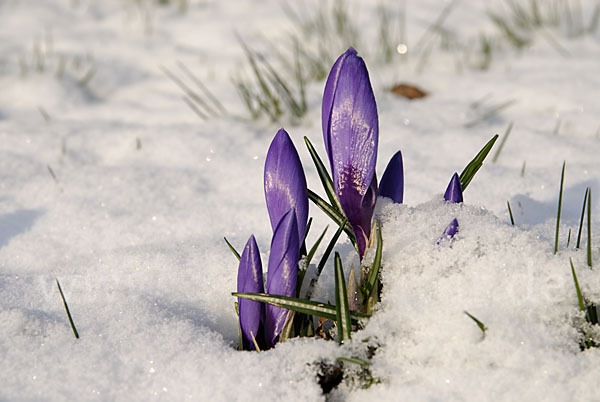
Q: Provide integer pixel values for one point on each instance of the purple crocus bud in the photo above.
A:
(392, 181)
(351, 133)
(454, 190)
(250, 279)
(285, 183)
(283, 273)
(450, 231)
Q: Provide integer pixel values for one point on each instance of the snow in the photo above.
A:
(134, 233)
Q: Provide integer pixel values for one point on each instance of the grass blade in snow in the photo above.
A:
(324, 176)
(332, 213)
(589, 227)
(469, 172)
(577, 288)
(582, 217)
(300, 305)
(62, 296)
(373, 275)
(560, 194)
(313, 249)
(512, 220)
(344, 324)
(481, 325)
(233, 250)
(502, 142)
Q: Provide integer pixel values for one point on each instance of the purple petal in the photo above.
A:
(392, 181)
(450, 231)
(350, 130)
(250, 280)
(454, 190)
(282, 274)
(285, 183)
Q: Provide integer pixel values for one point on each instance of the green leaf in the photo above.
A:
(333, 214)
(373, 274)
(577, 288)
(589, 229)
(502, 142)
(309, 307)
(469, 172)
(481, 325)
(512, 220)
(560, 196)
(582, 217)
(342, 310)
(62, 296)
(354, 360)
(233, 250)
(315, 246)
(324, 176)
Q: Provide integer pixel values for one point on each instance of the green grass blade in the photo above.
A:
(233, 250)
(569, 238)
(324, 176)
(481, 325)
(332, 213)
(469, 172)
(329, 248)
(560, 195)
(342, 311)
(582, 217)
(62, 296)
(315, 246)
(577, 288)
(309, 307)
(373, 275)
(354, 360)
(512, 219)
(589, 229)
(502, 142)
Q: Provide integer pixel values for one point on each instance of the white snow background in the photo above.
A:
(145, 190)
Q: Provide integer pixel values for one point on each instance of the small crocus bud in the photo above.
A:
(450, 231)
(351, 134)
(282, 273)
(454, 190)
(250, 280)
(392, 181)
(285, 183)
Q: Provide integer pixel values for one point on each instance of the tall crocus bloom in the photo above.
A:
(285, 183)
(250, 279)
(350, 131)
(454, 190)
(283, 273)
(392, 181)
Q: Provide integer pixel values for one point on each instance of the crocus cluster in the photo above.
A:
(287, 204)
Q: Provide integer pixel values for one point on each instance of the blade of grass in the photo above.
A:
(324, 176)
(315, 246)
(512, 220)
(582, 217)
(233, 250)
(589, 229)
(332, 213)
(342, 311)
(560, 195)
(502, 142)
(471, 169)
(62, 296)
(354, 360)
(202, 87)
(309, 307)
(580, 300)
(569, 238)
(373, 275)
(481, 325)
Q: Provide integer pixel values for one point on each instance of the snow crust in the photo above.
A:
(132, 226)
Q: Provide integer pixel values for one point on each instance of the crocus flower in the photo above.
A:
(454, 190)
(285, 183)
(283, 273)
(350, 131)
(453, 194)
(392, 181)
(250, 279)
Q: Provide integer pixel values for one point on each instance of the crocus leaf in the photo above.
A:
(577, 288)
(331, 212)
(342, 311)
(313, 249)
(324, 176)
(373, 274)
(309, 307)
(392, 181)
(351, 133)
(469, 172)
(233, 250)
(454, 191)
(480, 324)
(282, 273)
(285, 183)
(250, 279)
